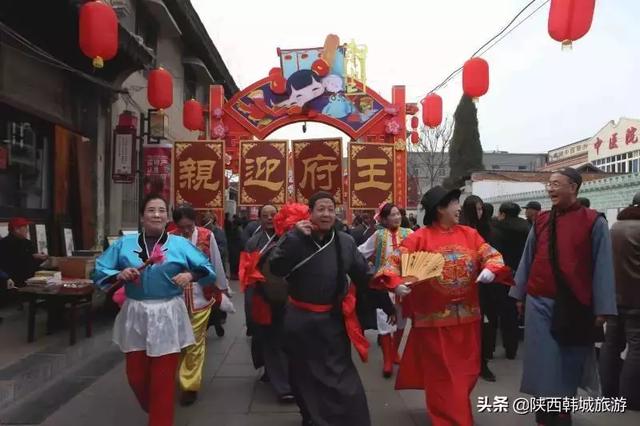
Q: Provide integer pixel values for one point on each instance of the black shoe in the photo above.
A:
(188, 398)
(265, 378)
(487, 374)
(287, 398)
(511, 354)
(219, 330)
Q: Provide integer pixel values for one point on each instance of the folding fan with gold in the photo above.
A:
(422, 265)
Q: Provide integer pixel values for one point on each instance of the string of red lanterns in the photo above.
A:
(569, 20)
(98, 32)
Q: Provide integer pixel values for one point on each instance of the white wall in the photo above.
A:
(493, 188)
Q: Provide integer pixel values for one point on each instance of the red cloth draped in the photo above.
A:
(351, 322)
(260, 310)
(248, 272)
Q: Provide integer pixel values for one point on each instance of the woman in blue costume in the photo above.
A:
(153, 325)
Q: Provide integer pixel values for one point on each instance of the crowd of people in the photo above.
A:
(312, 289)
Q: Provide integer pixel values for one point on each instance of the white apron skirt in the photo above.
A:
(383, 326)
(158, 327)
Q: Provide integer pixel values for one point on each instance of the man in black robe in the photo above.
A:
(267, 331)
(315, 260)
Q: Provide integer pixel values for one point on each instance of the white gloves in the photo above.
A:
(486, 276)
(402, 290)
(10, 284)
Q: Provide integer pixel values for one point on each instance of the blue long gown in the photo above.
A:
(551, 370)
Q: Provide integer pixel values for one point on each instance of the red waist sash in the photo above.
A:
(351, 323)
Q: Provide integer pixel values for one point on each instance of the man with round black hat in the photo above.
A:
(531, 211)
(442, 354)
(566, 274)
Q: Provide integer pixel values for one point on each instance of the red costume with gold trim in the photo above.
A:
(442, 355)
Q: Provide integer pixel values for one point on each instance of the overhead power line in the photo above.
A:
(493, 41)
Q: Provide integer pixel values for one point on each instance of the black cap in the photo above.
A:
(433, 197)
(533, 205)
(573, 175)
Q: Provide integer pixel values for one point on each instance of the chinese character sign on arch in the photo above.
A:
(198, 174)
(371, 174)
(317, 166)
(263, 173)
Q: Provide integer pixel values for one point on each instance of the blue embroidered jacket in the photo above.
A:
(155, 280)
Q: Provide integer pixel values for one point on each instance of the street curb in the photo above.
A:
(35, 371)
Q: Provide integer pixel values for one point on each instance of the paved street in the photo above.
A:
(232, 395)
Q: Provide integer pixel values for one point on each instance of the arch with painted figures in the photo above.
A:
(250, 114)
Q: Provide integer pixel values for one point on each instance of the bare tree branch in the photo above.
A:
(432, 148)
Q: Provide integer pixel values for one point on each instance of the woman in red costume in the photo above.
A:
(442, 355)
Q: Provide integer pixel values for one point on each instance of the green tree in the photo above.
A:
(465, 152)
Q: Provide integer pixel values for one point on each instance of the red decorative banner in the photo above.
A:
(317, 166)
(263, 173)
(156, 164)
(371, 174)
(198, 177)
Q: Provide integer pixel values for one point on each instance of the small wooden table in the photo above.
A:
(50, 297)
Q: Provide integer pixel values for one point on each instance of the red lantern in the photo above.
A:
(277, 83)
(192, 117)
(569, 20)
(320, 67)
(414, 123)
(475, 77)
(415, 139)
(98, 32)
(160, 89)
(432, 110)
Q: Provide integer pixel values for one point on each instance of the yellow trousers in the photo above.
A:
(192, 361)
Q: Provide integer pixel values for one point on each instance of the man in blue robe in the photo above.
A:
(566, 272)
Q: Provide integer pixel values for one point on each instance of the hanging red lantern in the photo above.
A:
(475, 77)
(414, 122)
(160, 88)
(415, 138)
(569, 20)
(432, 110)
(98, 32)
(277, 82)
(192, 117)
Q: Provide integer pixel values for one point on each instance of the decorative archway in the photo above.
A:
(305, 88)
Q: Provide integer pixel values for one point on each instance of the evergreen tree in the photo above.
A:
(465, 152)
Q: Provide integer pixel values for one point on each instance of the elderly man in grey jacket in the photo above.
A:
(621, 378)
